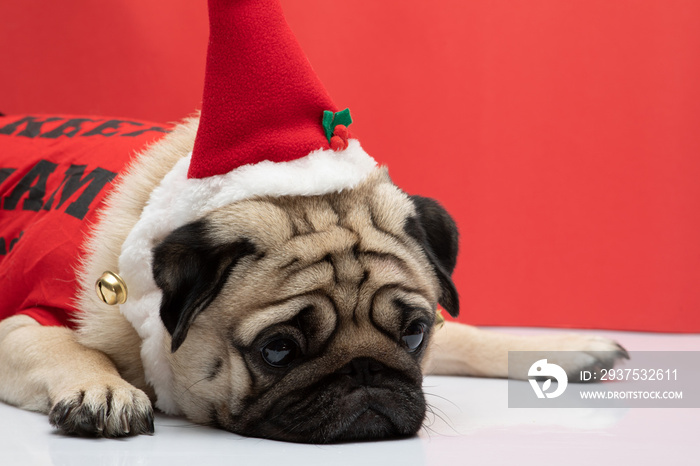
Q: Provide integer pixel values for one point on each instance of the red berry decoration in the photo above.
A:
(342, 131)
(339, 141)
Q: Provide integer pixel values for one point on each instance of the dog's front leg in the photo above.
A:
(45, 369)
(458, 349)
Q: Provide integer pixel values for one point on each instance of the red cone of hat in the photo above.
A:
(262, 100)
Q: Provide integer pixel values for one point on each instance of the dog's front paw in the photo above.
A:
(103, 410)
(586, 353)
(573, 353)
(595, 354)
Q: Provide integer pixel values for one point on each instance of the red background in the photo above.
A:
(563, 136)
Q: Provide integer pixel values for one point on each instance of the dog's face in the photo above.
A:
(306, 318)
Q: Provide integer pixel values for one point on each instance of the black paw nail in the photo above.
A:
(151, 426)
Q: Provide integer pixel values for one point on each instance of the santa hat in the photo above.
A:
(267, 128)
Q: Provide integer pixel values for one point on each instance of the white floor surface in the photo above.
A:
(470, 424)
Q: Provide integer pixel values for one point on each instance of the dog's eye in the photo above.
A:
(280, 352)
(412, 338)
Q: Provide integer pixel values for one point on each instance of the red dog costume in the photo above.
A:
(54, 174)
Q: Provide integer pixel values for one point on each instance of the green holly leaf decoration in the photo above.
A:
(328, 124)
(331, 120)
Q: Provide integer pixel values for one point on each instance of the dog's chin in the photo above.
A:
(340, 412)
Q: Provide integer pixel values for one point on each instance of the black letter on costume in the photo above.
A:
(5, 173)
(31, 129)
(109, 124)
(141, 131)
(4, 250)
(70, 128)
(73, 181)
(34, 183)
(14, 241)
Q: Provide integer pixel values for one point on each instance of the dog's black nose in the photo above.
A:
(364, 371)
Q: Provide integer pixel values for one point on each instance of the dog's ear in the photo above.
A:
(191, 269)
(436, 231)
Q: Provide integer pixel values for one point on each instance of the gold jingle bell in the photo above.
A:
(111, 289)
(439, 319)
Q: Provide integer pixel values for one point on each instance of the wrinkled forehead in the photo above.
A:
(336, 257)
(272, 222)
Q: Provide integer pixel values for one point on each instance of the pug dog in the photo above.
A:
(296, 315)
(299, 318)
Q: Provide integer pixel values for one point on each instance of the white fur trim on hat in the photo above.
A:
(179, 200)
